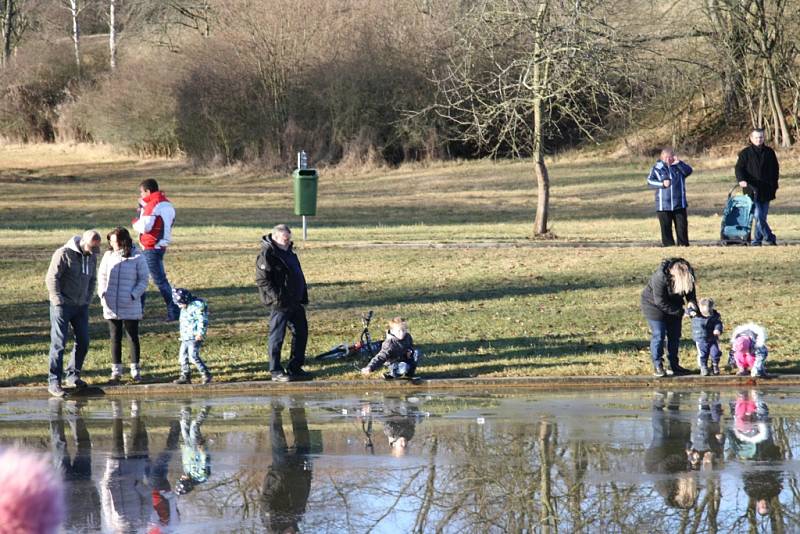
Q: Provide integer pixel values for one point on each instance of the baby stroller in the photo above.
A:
(737, 219)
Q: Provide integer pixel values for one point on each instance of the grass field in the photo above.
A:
(525, 308)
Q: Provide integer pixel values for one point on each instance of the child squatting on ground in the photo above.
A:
(706, 329)
(397, 352)
(749, 350)
(193, 328)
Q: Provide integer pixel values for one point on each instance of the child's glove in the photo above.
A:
(691, 311)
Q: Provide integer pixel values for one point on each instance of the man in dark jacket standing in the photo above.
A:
(757, 171)
(282, 287)
(70, 283)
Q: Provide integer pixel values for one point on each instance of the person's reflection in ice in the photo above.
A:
(195, 458)
(667, 453)
(287, 485)
(365, 418)
(751, 439)
(164, 514)
(706, 448)
(400, 424)
(124, 493)
(82, 500)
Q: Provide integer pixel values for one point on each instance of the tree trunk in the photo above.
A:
(547, 520)
(76, 33)
(727, 39)
(539, 83)
(780, 118)
(8, 30)
(112, 34)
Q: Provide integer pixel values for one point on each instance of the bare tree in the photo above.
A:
(758, 49)
(8, 9)
(112, 34)
(195, 15)
(521, 71)
(75, 7)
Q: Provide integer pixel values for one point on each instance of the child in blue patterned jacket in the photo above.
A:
(193, 328)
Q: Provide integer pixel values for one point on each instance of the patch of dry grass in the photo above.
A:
(511, 311)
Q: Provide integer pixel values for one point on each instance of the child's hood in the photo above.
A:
(758, 331)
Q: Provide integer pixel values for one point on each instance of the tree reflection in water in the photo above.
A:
(662, 461)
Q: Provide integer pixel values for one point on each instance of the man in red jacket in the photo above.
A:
(154, 224)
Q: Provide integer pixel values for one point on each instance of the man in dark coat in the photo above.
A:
(70, 282)
(757, 171)
(282, 287)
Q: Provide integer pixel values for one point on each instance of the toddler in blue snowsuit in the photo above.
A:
(706, 329)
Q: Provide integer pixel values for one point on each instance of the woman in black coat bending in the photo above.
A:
(663, 299)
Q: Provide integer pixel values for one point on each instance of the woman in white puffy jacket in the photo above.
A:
(121, 282)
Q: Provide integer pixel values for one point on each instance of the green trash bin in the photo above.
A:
(305, 191)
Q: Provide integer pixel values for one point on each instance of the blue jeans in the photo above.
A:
(61, 318)
(190, 352)
(155, 264)
(706, 350)
(763, 231)
(668, 330)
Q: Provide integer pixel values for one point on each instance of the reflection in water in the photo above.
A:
(666, 454)
(752, 440)
(195, 458)
(288, 482)
(619, 462)
(81, 499)
(400, 424)
(123, 490)
(164, 501)
(706, 448)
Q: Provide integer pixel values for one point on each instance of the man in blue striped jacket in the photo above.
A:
(668, 178)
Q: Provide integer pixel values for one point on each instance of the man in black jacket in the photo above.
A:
(757, 171)
(282, 287)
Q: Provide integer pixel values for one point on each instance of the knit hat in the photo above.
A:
(742, 344)
(181, 295)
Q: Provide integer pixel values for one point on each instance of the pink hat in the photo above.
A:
(32, 499)
(742, 344)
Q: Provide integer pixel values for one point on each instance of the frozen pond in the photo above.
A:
(588, 461)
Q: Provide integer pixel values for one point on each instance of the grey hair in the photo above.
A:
(281, 229)
(90, 236)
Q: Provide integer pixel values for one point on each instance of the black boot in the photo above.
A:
(677, 370)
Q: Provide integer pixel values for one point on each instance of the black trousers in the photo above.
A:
(678, 217)
(115, 328)
(293, 319)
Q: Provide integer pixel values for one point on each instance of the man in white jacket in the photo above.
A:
(154, 225)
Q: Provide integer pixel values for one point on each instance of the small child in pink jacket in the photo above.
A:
(749, 350)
